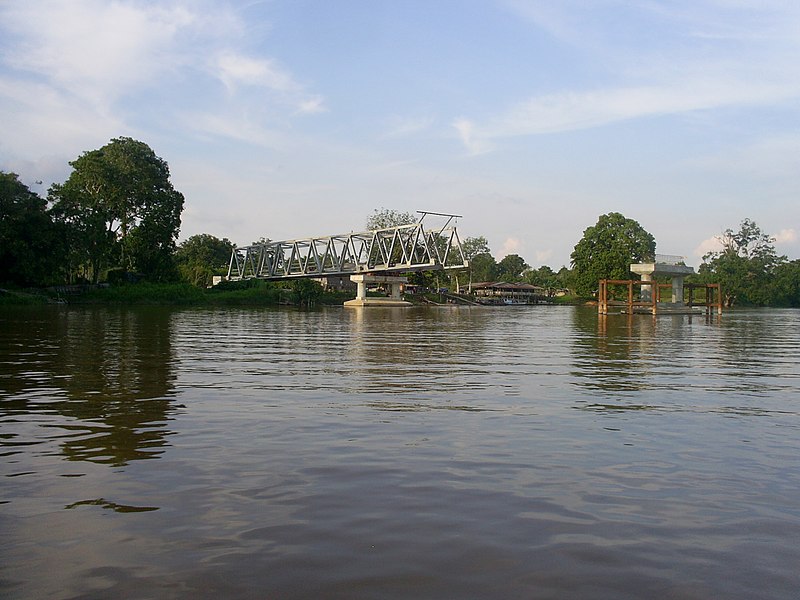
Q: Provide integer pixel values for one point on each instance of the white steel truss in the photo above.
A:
(394, 249)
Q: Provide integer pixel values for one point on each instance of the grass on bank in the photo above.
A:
(241, 293)
(299, 292)
(21, 298)
(182, 294)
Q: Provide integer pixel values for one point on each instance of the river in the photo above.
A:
(515, 452)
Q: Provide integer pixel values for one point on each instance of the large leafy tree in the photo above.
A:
(201, 257)
(511, 267)
(483, 267)
(786, 284)
(121, 209)
(384, 218)
(30, 247)
(746, 265)
(472, 247)
(566, 278)
(607, 250)
(544, 276)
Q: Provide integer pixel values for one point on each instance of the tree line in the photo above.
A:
(748, 268)
(117, 218)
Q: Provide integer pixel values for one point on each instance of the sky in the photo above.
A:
(296, 118)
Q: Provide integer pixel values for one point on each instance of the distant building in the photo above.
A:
(501, 292)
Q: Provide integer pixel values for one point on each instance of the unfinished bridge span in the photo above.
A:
(382, 252)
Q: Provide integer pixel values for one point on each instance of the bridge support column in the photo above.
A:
(647, 290)
(394, 284)
(677, 290)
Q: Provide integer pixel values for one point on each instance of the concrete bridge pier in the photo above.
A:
(393, 283)
(676, 273)
(647, 290)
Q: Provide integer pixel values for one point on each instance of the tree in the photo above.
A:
(786, 285)
(483, 267)
(566, 278)
(121, 209)
(749, 243)
(201, 257)
(544, 276)
(472, 247)
(29, 244)
(510, 268)
(745, 267)
(305, 292)
(385, 218)
(607, 250)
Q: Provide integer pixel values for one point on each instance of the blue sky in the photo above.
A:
(295, 118)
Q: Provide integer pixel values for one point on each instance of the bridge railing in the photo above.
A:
(669, 259)
(394, 249)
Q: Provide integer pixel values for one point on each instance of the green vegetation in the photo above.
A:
(18, 298)
(511, 268)
(300, 292)
(118, 209)
(607, 250)
(116, 219)
(29, 240)
(749, 270)
(385, 218)
(201, 257)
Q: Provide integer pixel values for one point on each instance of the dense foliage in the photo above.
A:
(384, 218)
(511, 268)
(607, 250)
(30, 243)
(201, 257)
(119, 209)
(750, 271)
(118, 214)
(483, 268)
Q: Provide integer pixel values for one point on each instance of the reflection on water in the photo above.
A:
(537, 452)
(107, 372)
(111, 505)
(745, 356)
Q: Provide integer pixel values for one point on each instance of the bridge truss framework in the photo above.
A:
(392, 250)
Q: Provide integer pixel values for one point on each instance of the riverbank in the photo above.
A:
(300, 292)
(256, 293)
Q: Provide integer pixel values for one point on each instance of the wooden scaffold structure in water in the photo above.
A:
(647, 296)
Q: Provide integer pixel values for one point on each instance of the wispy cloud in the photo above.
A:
(400, 127)
(786, 236)
(234, 126)
(675, 70)
(95, 66)
(46, 118)
(571, 111)
(511, 245)
(712, 244)
(235, 70)
(90, 48)
(771, 157)
(312, 105)
(474, 144)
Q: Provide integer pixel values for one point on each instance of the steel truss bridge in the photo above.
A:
(394, 249)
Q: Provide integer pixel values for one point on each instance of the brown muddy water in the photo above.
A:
(515, 452)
